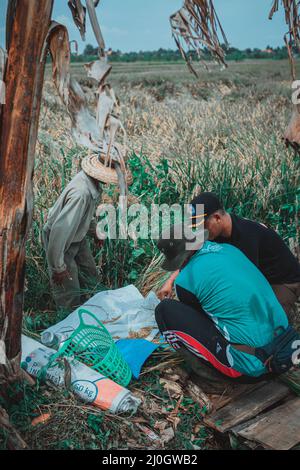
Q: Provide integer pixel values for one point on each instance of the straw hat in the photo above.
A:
(94, 167)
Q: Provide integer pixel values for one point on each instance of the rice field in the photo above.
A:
(221, 132)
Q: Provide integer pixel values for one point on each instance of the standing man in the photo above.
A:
(262, 245)
(71, 264)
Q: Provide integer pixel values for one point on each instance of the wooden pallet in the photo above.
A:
(263, 416)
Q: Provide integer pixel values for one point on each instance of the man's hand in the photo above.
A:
(166, 291)
(60, 278)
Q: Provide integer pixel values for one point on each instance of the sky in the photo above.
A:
(134, 25)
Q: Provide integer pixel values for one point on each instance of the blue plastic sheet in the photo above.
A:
(136, 352)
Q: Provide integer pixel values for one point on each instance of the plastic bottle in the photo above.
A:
(53, 340)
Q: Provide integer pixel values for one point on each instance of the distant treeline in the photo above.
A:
(168, 55)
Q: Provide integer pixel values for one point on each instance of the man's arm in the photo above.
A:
(63, 231)
(166, 290)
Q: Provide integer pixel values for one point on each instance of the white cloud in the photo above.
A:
(114, 31)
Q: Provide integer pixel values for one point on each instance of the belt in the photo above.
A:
(244, 348)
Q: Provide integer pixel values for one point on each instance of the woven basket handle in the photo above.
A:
(84, 311)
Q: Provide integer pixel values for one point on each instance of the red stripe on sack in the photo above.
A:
(208, 355)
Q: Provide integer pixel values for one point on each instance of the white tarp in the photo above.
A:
(124, 312)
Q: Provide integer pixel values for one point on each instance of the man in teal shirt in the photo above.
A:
(226, 307)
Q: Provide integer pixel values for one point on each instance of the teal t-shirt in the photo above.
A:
(238, 298)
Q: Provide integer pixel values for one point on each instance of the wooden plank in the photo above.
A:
(279, 429)
(235, 432)
(219, 401)
(234, 435)
(247, 406)
(238, 443)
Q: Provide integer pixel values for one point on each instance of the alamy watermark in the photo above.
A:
(138, 221)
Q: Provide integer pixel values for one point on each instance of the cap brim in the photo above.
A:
(176, 263)
(198, 220)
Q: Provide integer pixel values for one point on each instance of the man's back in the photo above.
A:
(82, 191)
(69, 219)
(234, 293)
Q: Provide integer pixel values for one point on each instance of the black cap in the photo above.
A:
(173, 244)
(210, 201)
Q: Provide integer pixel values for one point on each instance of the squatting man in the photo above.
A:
(227, 322)
(235, 293)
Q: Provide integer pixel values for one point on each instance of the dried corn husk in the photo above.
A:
(292, 19)
(195, 24)
(97, 134)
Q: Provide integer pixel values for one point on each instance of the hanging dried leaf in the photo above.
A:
(79, 16)
(292, 19)
(104, 109)
(91, 7)
(196, 24)
(58, 39)
(84, 125)
(291, 39)
(98, 70)
(86, 129)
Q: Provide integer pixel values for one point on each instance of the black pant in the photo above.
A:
(183, 326)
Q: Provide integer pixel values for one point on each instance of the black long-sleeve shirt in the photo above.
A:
(264, 247)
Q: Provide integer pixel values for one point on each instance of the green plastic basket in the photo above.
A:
(95, 347)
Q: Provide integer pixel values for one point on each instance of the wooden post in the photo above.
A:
(28, 22)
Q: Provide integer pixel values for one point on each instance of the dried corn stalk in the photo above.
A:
(196, 24)
(79, 16)
(95, 133)
(292, 19)
(91, 7)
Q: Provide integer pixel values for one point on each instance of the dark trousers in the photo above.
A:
(83, 275)
(184, 327)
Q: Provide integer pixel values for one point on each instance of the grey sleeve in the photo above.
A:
(63, 231)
